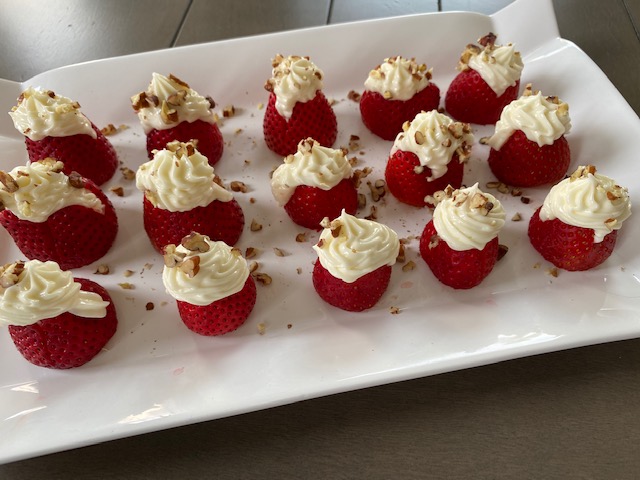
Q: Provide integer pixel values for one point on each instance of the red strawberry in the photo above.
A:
(360, 295)
(523, 163)
(314, 118)
(208, 136)
(410, 187)
(222, 316)
(309, 205)
(458, 269)
(66, 341)
(219, 221)
(73, 237)
(385, 117)
(94, 159)
(568, 247)
(470, 99)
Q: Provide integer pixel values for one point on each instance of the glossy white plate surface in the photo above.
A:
(156, 374)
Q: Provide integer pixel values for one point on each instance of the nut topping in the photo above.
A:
(176, 99)
(169, 115)
(10, 273)
(9, 183)
(76, 180)
(190, 266)
(172, 258)
(194, 242)
(175, 79)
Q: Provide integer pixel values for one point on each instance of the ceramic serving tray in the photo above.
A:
(156, 374)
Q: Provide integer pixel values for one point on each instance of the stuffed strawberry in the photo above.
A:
(53, 126)
(529, 147)
(182, 194)
(211, 282)
(577, 226)
(52, 216)
(427, 156)
(315, 183)
(54, 320)
(489, 79)
(354, 262)
(395, 92)
(460, 243)
(171, 110)
(297, 108)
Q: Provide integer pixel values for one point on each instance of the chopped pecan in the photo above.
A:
(76, 180)
(172, 257)
(9, 183)
(238, 186)
(190, 266)
(194, 242)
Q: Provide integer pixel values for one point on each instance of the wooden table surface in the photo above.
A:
(570, 414)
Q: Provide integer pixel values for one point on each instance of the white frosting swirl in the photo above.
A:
(468, 218)
(541, 119)
(499, 66)
(588, 200)
(398, 78)
(222, 272)
(294, 79)
(42, 190)
(359, 247)
(42, 113)
(434, 138)
(44, 291)
(179, 179)
(172, 94)
(312, 165)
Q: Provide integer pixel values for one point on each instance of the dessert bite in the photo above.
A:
(314, 183)
(577, 226)
(529, 147)
(427, 156)
(488, 79)
(354, 262)
(52, 216)
(395, 92)
(55, 127)
(460, 243)
(211, 283)
(54, 320)
(171, 110)
(183, 194)
(297, 108)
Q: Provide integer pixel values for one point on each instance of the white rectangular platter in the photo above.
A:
(155, 374)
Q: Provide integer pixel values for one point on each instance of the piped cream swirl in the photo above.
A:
(40, 290)
(542, 119)
(37, 190)
(499, 66)
(352, 247)
(42, 113)
(179, 179)
(588, 199)
(398, 78)
(312, 165)
(169, 101)
(294, 79)
(434, 138)
(221, 272)
(468, 218)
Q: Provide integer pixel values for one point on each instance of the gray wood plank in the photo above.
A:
(481, 6)
(353, 10)
(38, 36)
(209, 21)
(606, 33)
(633, 7)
